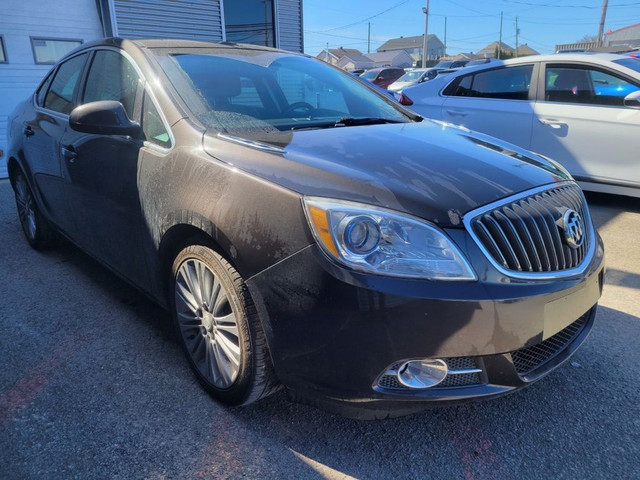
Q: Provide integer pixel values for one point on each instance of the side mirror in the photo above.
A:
(632, 100)
(106, 117)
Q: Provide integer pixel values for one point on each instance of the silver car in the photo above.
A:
(413, 77)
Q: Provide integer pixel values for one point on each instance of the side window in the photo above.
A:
(59, 97)
(585, 85)
(460, 87)
(112, 77)
(3, 54)
(509, 83)
(42, 91)
(152, 125)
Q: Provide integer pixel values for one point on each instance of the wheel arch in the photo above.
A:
(182, 234)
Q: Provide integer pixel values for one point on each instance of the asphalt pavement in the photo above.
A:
(92, 386)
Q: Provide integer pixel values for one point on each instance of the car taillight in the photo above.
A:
(404, 100)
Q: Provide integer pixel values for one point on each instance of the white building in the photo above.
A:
(35, 34)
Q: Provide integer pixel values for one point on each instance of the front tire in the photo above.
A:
(36, 228)
(218, 327)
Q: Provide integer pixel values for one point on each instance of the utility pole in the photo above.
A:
(426, 33)
(369, 39)
(500, 42)
(517, 33)
(605, 4)
(445, 36)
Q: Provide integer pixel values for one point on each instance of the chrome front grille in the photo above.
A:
(525, 234)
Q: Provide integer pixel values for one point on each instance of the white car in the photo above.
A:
(582, 110)
(413, 77)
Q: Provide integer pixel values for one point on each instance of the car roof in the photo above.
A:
(563, 57)
(170, 43)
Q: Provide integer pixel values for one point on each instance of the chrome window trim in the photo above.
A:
(250, 143)
(573, 272)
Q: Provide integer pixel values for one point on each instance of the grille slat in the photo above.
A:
(526, 235)
(514, 239)
(501, 239)
(541, 256)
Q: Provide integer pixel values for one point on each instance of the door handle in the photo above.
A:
(28, 131)
(457, 113)
(551, 123)
(68, 153)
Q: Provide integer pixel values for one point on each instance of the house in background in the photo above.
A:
(491, 50)
(627, 36)
(621, 40)
(333, 55)
(34, 35)
(354, 61)
(413, 46)
(394, 58)
(350, 58)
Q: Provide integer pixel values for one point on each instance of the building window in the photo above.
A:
(250, 21)
(50, 50)
(3, 53)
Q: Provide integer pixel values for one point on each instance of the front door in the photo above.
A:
(102, 172)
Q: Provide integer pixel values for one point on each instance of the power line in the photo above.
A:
(365, 19)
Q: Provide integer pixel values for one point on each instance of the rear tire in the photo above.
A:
(218, 327)
(37, 229)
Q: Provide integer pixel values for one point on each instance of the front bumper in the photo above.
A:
(335, 334)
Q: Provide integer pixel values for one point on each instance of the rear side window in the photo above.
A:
(112, 77)
(508, 83)
(42, 91)
(3, 54)
(60, 95)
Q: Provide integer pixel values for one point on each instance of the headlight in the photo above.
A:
(375, 240)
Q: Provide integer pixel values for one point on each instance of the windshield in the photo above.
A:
(256, 94)
(370, 75)
(411, 76)
(632, 63)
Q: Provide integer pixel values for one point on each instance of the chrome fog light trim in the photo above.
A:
(423, 373)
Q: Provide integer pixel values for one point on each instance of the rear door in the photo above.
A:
(44, 125)
(497, 102)
(582, 123)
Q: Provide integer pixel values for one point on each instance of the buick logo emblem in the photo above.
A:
(573, 228)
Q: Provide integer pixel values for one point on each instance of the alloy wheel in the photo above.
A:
(207, 323)
(26, 207)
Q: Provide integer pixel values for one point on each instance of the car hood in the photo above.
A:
(399, 85)
(430, 169)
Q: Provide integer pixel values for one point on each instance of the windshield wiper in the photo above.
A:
(352, 121)
(347, 122)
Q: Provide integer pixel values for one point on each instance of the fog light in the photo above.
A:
(422, 373)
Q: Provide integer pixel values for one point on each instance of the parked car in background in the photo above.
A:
(356, 71)
(451, 64)
(413, 77)
(582, 110)
(383, 77)
(304, 230)
(480, 61)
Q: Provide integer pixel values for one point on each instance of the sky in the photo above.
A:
(470, 24)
